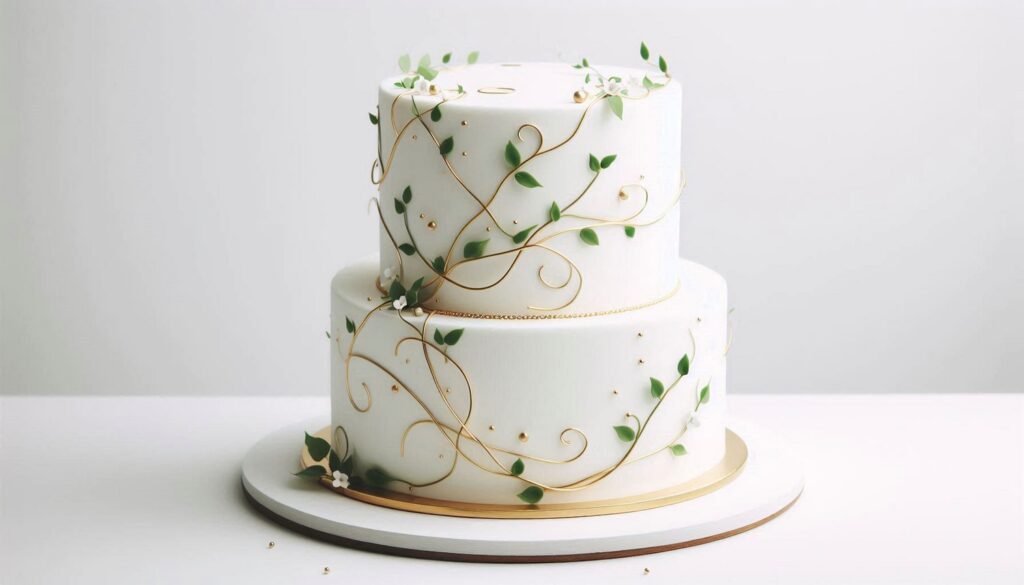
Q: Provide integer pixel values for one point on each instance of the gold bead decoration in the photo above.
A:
(639, 333)
(271, 544)
(464, 123)
(579, 96)
(432, 224)
(523, 437)
(394, 388)
(464, 153)
(414, 137)
(488, 228)
(615, 392)
(490, 428)
(447, 390)
(432, 89)
(369, 300)
(641, 361)
(647, 571)
(623, 195)
(327, 570)
(418, 312)
(423, 216)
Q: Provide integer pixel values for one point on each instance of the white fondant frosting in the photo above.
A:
(559, 273)
(521, 334)
(535, 378)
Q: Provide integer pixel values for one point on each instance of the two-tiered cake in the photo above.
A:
(528, 338)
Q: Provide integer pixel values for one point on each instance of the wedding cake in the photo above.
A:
(528, 339)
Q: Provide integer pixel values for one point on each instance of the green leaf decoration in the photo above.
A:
(625, 433)
(435, 114)
(424, 61)
(657, 388)
(446, 58)
(705, 393)
(334, 461)
(412, 296)
(396, 290)
(555, 213)
(407, 249)
(438, 265)
(446, 146)
(526, 180)
(407, 194)
(678, 450)
(461, 89)
(313, 471)
(512, 156)
(438, 338)
(607, 161)
(589, 237)
(399, 206)
(518, 468)
(472, 57)
(373, 119)
(595, 165)
(328, 334)
(630, 231)
(684, 365)
(662, 64)
(644, 53)
(651, 85)
(531, 495)
(350, 325)
(453, 336)
(378, 477)
(520, 237)
(615, 103)
(348, 464)
(475, 249)
(404, 63)
(427, 73)
(585, 62)
(317, 447)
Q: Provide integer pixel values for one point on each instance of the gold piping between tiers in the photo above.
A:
(718, 476)
(513, 317)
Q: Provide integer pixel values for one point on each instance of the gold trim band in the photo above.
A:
(513, 317)
(718, 476)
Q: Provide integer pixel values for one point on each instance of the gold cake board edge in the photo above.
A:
(719, 475)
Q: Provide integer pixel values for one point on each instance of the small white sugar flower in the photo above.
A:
(635, 81)
(389, 273)
(613, 87)
(400, 303)
(693, 421)
(340, 480)
(422, 87)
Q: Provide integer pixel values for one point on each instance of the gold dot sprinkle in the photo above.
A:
(394, 388)
(440, 455)
(464, 153)
(615, 392)
(490, 428)
(698, 319)
(432, 224)
(623, 195)
(641, 177)
(515, 222)
(639, 333)
(488, 228)
(414, 137)
(447, 390)
(523, 437)
(369, 300)
(647, 571)
(464, 123)
(406, 360)
(579, 96)
(432, 89)
(327, 570)
(641, 361)
(423, 216)
(271, 544)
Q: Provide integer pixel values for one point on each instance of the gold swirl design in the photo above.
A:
(497, 90)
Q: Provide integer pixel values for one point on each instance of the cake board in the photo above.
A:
(769, 484)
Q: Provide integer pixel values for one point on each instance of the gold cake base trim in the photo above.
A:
(713, 479)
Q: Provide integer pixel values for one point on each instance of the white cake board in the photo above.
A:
(768, 485)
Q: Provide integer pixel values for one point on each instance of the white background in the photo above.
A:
(180, 180)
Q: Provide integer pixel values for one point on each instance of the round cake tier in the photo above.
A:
(520, 189)
(513, 410)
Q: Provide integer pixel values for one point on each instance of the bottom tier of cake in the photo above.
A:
(507, 411)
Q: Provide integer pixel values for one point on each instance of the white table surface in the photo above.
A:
(900, 489)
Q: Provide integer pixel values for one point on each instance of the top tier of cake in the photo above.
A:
(530, 189)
